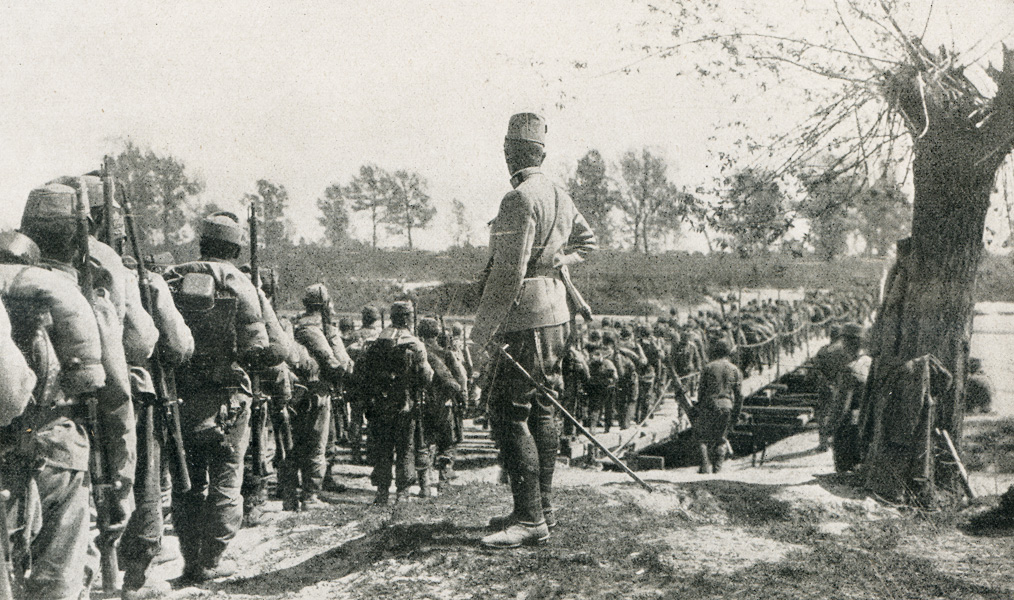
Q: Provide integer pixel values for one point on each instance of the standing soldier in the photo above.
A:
(719, 400)
(362, 338)
(275, 391)
(524, 306)
(441, 397)
(391, 374)
(58, 332)
(316, 333)
(157, 420)
(223, 310)
(831, 367)
(128, 338)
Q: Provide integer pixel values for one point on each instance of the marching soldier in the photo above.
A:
(524, 306)
(362, 338)
(58, 332)
(391, 375)
(438, 414)
(719, 400)
(312, 418)
(223, 310)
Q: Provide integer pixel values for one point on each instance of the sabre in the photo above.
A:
(545, 392)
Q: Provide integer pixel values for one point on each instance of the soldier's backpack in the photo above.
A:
(384, 371)
(209, 310)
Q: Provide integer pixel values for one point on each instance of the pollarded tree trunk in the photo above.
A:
(928, 305)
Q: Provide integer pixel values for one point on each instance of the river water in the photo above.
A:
(993, 342)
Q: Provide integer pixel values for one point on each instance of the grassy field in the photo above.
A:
(706, 539)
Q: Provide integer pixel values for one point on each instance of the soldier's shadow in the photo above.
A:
(401, 539)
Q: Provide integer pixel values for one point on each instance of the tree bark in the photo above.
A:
(928, 304)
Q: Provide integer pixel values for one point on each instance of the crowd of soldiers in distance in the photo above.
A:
(126, 378)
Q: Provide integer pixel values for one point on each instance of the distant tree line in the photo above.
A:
(632, 205)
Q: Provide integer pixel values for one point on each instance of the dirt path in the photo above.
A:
(788, 529)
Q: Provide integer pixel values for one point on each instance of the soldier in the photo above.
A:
(142, 538)
(830, 364)
(316, 333)
(978, 388)
(365, 335)
(524, 306)
(391, 374)
(719, 401)
(223, 310)
(441, 397)
(128, 336)
(58, 332)
(602, 379)
(275, 391)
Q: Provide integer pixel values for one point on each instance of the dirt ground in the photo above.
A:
(788, 529)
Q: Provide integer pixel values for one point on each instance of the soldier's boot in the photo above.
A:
(382, 498)
(402, 495)
(518, 534)
(499, 523)
(311, 501)
(719, 458)
(426, 488)
(706, 468)
(446, 470)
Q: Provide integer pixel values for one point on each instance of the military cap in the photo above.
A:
(370, 315)
(594, 336)
(96, 195)
(457, 329)
(974, 365)
(642, 329)
(852, 330)
(527, 127)
(401, 308)
(606, 322)
(315, 295)
(18, 248)
(223, 226)
(52, 201)
(608, 337)
(427, 328)
(346, 325)
(625, 333)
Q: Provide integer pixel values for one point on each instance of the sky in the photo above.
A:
(304, 93)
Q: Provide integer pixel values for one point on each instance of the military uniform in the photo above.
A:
(357, 403)
(391, 375)
(831, 364)
(524, 306)
(142, 538)
(231, 337)
(718, 402)
(313, 412)
(441, 396)
(56, 329)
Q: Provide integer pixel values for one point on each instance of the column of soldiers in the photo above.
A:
(617, 372)
(117, 372)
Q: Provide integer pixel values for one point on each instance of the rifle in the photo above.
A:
(258, 414)
(549, 395)
(8, 579)
(169, 404)
(108, 188)
(104, 484)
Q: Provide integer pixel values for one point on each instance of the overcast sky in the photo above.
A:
(304, 93)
